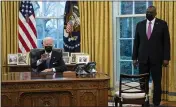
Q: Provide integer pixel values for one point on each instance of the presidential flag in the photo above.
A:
(27, 34)
(71, 27)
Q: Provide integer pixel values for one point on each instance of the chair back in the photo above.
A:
(133, 83)
(133, 89)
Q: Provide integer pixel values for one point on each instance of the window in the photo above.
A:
(126, 14)
(49, 21)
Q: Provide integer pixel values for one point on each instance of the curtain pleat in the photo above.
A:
(96, 34)
(166, 11)
(9, 31)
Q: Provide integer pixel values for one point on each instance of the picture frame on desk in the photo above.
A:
(22, 59)
(12, 59)
(67, 59)
(28, 58)
(73, 57)
(65, 54)
(82, 59)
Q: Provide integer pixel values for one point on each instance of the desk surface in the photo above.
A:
(27, 68)
(29, 65)
(27, 77)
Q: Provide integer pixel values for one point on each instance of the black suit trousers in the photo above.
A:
(155, 70)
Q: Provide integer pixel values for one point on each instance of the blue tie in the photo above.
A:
(48, 62)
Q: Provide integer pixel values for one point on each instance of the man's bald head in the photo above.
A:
(151, 10)
(48, 41)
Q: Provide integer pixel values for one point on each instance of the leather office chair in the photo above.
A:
(130, 91)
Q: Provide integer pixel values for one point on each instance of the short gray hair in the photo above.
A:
(47, 38)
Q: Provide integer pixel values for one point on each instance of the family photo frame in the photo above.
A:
(12, 59)
(82, 59)
(67, 59)
(74, 55)
(65, 54)
(22, 59)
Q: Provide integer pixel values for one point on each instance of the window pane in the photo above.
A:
(126, 67)
(126, 7)
(135, 21)
(60, 43)
(140, 7)
(39, 44)
(60, 28)
(125, 49)
(37, 8)
(49, 9)
(136, 70)
(51, 28)
(40, 27)
(125, 27)
(55, 43)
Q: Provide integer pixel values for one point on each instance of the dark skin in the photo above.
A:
(151, 10)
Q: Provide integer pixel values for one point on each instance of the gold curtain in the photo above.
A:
(9, 32)
(166, 11)
(96, 34)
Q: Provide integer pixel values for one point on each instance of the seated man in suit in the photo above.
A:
(48, 60)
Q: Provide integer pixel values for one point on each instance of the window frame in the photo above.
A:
(116, 8)
(61, 17)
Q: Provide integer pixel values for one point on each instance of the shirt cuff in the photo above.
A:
(38, 62)
(54, 70)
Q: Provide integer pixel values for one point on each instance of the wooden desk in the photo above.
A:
(22, 91)
(27, 68)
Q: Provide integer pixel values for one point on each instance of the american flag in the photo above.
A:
(27, 34)
(69, 27)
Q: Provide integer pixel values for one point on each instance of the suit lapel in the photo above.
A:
(52, 58)
(155, 26)
(145, 29)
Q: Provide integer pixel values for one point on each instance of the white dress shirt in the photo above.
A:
(39, 62)
(152, 24)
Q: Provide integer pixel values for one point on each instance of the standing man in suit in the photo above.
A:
(151, 49)
(48, 60)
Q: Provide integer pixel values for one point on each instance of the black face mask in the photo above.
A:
(48, 48)
(150, 17)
